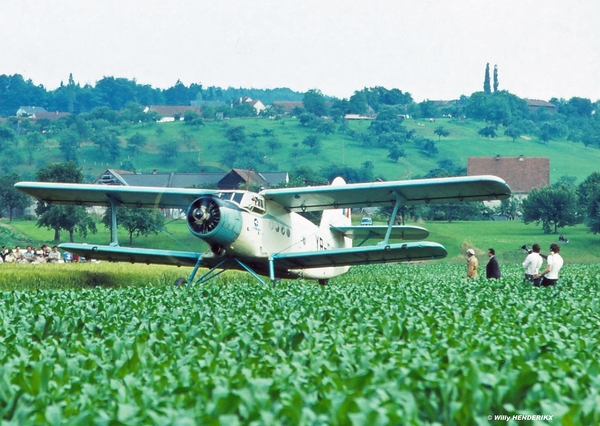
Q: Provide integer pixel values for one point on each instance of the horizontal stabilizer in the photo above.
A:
(132, 255)
(368, 232)
(388, 253)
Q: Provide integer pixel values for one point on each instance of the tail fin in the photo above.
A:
(336, 217)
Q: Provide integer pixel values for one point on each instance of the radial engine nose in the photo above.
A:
(214, 221)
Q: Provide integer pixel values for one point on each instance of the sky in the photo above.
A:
(433, 49)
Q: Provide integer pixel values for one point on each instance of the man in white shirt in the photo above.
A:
(54, 255)
(532, 264)
(554, 262)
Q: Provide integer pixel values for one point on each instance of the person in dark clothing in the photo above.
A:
(492, 269)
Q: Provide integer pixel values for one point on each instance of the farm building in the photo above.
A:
(522, 174)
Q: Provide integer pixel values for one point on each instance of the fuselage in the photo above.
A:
(263, 228)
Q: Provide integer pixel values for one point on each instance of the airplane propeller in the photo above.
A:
(204, 215)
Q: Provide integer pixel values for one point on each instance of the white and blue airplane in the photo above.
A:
(263, 232)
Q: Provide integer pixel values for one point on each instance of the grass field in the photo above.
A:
(566, 158)
(506, 237)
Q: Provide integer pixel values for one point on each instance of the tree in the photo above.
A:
(68, 218)
(509, 208)
(137, 221)
(592, 219)
(486, 79)
(440, 131)
(107, 140)
(192, 118)
(71, 94)
(429, 147)
(10, 197)
(236, 135)
(314, 102)
(358, 103)
(395, 153)
(274, 144)
(428, 109)
(135, 142)
(169, 150)
(587, 188)
(554, 207)
(34, 143)
(68, 144)
(314, 143)
(7, 136)
(588, 196)
(513, 132)
(326, 127)
(495, 78)
(488, 132)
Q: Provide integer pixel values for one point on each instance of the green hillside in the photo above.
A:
(202, 148)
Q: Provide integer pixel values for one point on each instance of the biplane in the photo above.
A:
(265, 232)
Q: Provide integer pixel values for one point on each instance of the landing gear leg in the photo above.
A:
(323, 281)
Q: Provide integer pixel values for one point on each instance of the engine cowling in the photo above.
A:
(214, 221)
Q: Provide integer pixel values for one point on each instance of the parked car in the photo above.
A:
(366, 221)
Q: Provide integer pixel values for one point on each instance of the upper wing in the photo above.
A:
(389, 253)
(418, 191)
(398, 232)
(99, 195)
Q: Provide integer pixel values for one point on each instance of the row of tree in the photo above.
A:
(115, 93)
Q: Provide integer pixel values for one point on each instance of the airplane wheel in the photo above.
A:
(323, 282)
(180, 281)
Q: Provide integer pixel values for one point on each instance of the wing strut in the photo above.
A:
(114, 238)
(399, 199)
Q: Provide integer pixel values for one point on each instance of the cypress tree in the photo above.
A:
(486, 81)
(495, 78)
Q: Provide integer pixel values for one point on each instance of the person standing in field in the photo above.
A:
(554, 262)
(492, 269)
(532, 264)
(472, 264)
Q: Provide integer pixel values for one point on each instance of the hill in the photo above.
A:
(201, 148)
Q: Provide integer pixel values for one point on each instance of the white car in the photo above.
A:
(366, 221)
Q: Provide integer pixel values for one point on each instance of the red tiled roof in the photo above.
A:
(522, 174)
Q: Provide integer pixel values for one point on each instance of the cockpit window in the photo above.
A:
(253, 202)
(225, 195)
(237, 197)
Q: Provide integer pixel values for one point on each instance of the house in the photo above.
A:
(358, 117)
(169, 113)
(257, 105)
(536, 104)
(52, 116)
(29, 111)
(522, 174)
(286, 107)
(237, 178)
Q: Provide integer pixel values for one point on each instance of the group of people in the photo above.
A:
(532, 264)
(34, 255)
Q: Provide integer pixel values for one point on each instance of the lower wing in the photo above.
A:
(132, 255)
(389, 253)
